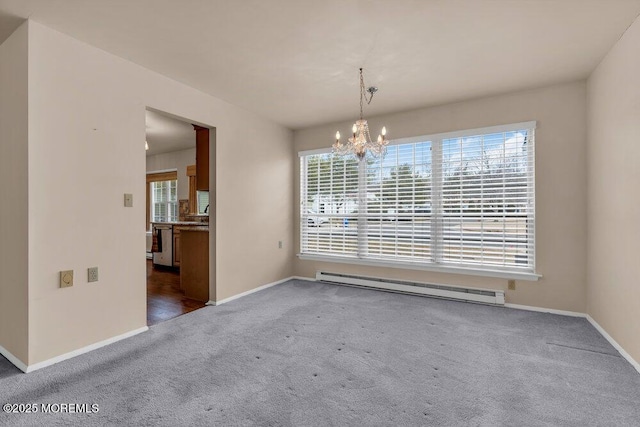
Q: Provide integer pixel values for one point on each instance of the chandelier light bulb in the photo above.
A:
(384, 130)
(354, 129)
(338, 136)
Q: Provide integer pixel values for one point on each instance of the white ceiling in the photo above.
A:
(296, 61)
(166, 134)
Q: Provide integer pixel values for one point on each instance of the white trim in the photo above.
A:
(595, 324)
(614, 343)
(78, 352)
(515, 275)
(545, 310)
(11, 358)
(244, 294)
(309, 279)
(511, 127)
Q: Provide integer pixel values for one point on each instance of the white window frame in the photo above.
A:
(436, 140)
(167, 203)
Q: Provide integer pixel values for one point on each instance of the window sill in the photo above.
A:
(514, 275)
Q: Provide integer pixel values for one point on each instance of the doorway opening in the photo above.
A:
(178, 220)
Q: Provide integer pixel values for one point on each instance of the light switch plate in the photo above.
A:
(128, 200)
(66, 278)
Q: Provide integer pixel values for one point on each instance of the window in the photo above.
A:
(162, 197)
(462, 200)
(164, 201)
(203, 202)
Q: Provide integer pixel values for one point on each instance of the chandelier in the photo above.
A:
(360, 142)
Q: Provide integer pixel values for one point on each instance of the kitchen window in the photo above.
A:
(164, 204)
(460, 201)
(203, 202)
(162, 197)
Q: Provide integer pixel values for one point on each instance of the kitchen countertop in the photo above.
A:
(182, 223)
(186, 225)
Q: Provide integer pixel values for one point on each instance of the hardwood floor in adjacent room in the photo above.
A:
(165, 300)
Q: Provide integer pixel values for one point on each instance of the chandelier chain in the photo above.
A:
(363, 95)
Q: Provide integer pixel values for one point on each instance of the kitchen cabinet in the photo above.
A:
(194, 272)
(172, 241)
(202, 158)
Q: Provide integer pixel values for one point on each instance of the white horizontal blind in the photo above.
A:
(488, 200)
(329, 204)
(464, 200)
(164, 201)
(399, 203)
(203, 201)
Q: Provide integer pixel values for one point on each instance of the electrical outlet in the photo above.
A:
(92, 274)
(66, 278)
(512, 285)
(279, 244)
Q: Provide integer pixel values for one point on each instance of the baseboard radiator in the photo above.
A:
(485, 296)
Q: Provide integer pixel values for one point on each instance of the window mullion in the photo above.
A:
(413, 201)
(436, 201)
(303, 203)
(167, 199)
(531, 200)
(362, 208)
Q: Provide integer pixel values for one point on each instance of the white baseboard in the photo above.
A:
(545, 310)
(11, 358)
(614, 343)
(30, 368)
(244, 294)
(268, 285)
(608, 337)
(309, 279)
(595, 324)
(78, 352)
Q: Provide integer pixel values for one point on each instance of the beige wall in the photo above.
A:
(13, 194)
(175, 160)
(87, 125)
(560, 187)
(613, 273)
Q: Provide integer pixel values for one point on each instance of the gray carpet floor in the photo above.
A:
(305, 353)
